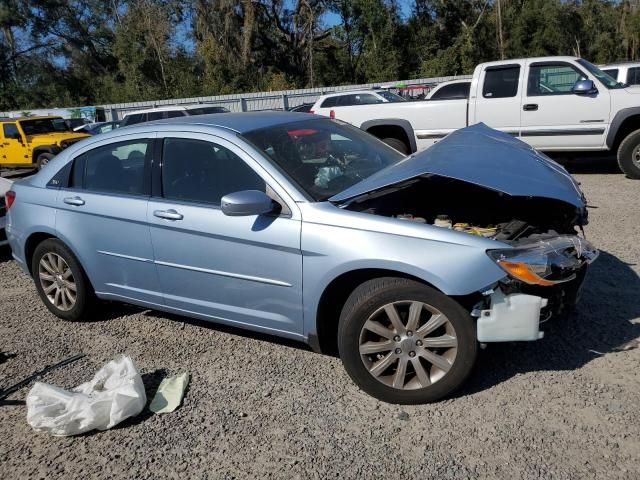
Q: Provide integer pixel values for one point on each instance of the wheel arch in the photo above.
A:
(335, 295)
(52, 149)
(624, 122)
(30, 245)
(392, 127)
(36, 238)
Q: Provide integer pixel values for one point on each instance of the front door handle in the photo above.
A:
(528, 107)
(77, 201)
(168, 214)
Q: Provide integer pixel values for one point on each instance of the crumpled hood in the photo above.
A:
(485, 157)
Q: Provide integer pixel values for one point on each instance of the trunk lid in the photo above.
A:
(482, 156)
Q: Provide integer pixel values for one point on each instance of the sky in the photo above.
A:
(331, 19)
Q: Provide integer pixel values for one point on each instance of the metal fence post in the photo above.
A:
(285, 102)
(243, 104)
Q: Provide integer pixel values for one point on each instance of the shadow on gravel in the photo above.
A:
(597, 165)
(265, 337)
(5, 254)
(600, 325)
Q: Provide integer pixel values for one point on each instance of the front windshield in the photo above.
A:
(43, 125)
(391, 97)
(322, 156)
(607, 80)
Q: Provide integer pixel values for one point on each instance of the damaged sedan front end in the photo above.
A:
(481, 182)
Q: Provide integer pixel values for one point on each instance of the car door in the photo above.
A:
(13, 149)
(244, 270)
(553, 117)
(102, 214)
(497, 99)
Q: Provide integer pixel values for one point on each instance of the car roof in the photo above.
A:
(506, 62)
(352, 92)
(43, 117)
(240, 122)
(452, 82)
(169, 108)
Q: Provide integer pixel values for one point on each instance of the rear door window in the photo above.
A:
(345, 100)
(151, 116)
(174, 113)
(329, 102)
(207, 110)
(501, 82)
(115, 168)
(633, 76)
(135, 118)
(367, 99)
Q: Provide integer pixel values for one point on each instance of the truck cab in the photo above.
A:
(555, 104)
(33, 141)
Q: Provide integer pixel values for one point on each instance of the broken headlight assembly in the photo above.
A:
(545, 262)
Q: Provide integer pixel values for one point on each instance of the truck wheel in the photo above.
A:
(396, 144)
(404, 342)
(629, 155)
(43, 159)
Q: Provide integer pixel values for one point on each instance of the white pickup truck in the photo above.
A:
(555, 104)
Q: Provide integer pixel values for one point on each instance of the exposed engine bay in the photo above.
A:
(547, 260)
(473, 209)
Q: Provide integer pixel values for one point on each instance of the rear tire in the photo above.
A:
(43, 159)
(397, 144)
(418, 361)
(61, 281)
(629, 155)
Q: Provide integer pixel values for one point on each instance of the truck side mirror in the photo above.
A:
(584, 87)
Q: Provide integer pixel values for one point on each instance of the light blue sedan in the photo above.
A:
(308, 228)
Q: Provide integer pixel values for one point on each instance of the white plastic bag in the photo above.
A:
(115, 393)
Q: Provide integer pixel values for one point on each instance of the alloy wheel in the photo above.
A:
(408, 345)
(57, 281)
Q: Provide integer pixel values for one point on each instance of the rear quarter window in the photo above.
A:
(329, 102)
(501, 82)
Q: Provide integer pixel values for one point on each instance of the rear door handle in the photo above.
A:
(530, 107)
(168, 214)
(77, 201)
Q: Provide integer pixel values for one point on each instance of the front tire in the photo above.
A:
(629, 155)
(404, 342)
(60, 280)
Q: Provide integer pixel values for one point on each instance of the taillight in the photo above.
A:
(311, 111)
(332, 114)
(9, 198)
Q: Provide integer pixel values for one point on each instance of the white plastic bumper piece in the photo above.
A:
(514, 317)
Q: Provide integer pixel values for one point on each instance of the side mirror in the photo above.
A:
(584, 87)
(246, 203)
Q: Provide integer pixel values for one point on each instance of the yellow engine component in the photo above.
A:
(473, 230)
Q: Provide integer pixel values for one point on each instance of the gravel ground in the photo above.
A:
(257, 406)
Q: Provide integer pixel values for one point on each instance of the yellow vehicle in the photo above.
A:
(33, 141)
